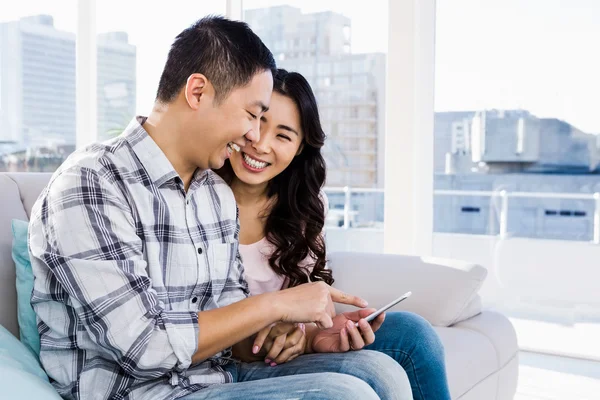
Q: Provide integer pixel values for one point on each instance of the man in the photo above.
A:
(139, 288)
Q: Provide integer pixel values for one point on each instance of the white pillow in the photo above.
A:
(443, 291)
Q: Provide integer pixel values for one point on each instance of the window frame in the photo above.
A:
(408, 204)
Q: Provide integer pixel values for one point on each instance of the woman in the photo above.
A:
(277, 183)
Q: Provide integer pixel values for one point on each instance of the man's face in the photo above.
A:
(222, 127)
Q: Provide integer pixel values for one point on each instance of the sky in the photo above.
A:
(539, 55)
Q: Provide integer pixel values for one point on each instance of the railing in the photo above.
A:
(347, 190)
(502, 195)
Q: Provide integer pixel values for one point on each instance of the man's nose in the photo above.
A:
(253, 134)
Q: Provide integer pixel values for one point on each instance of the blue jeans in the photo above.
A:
(355, 375)
(411, 341)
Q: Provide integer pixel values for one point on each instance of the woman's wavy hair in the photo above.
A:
(295, 222)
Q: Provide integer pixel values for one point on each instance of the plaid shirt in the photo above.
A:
(124, 259)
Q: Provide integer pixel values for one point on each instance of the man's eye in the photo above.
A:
(252, 115)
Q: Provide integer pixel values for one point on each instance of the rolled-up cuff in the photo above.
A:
(182, 330)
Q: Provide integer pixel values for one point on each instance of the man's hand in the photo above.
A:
(344, 335)
(283, 342)
(313, 302)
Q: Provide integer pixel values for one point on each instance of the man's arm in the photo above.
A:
(84, 239)
(234, 325)
(312, 302)
(86, 251)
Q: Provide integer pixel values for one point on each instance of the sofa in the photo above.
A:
(480, 345)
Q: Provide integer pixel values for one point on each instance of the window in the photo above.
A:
(347, 31)
(516, 157)
(498, 126)
(360, 80)
(132, 52)
(565, 213)
(37, 43)
(342, 67)
(37, 85)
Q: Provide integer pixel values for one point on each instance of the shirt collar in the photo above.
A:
(154, 161)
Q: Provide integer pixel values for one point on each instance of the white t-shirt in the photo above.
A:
(258, 273)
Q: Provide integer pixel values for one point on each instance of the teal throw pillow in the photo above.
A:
(27, 319)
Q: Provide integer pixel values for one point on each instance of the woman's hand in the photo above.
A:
(344, 335)
(283, 342)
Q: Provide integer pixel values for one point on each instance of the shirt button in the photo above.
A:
(199, 250)
(187, 202)
(194, 299)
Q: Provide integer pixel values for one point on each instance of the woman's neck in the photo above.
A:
(252, 203)
(249, 195)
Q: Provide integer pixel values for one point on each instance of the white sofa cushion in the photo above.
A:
(12, 207)
(444, 291)
(477, 353)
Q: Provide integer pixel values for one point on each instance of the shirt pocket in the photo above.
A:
(221, 257)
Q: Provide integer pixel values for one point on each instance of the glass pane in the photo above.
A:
(340, 48)
(133, 44)
(517, 155)
(516, 111)
(37, 84)
(310, 38)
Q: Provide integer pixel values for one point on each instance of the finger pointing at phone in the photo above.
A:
(312, 302)
(337, 296)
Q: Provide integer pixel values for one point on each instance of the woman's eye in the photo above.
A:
(284, 137)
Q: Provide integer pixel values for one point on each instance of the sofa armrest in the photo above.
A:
(444, 291)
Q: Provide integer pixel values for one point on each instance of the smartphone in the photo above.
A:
(374, 315)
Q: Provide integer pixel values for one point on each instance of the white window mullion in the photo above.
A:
(234, 10)
(86, 82)
(408, 206)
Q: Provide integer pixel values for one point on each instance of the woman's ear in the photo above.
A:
(300, 149)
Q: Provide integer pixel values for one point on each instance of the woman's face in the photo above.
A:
(280, 141)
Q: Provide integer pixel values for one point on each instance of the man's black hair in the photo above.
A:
(227, 52)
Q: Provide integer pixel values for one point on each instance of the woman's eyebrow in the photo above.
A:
(287, 128)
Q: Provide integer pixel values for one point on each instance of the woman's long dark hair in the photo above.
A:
(296, 216)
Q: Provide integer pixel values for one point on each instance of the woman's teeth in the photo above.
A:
(253, 163)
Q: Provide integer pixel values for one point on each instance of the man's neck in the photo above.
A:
(163, 126)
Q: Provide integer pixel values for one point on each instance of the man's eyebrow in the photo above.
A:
(287, 128)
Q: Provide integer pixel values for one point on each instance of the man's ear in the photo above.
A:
(197, 88)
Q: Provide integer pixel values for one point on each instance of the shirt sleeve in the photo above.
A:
(84, 241)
